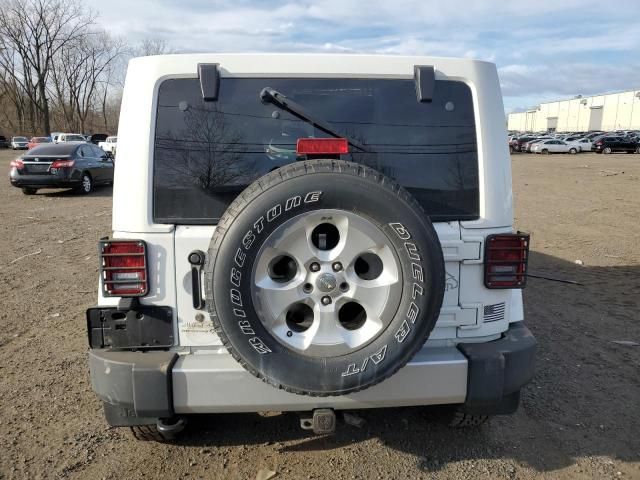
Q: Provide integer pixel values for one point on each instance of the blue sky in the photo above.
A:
(544, 49)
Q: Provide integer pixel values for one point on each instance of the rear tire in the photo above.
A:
(573, 151)
(86, 186)
(545, 152)
(607, 150)
(638, 150)
(166, 430)
(29, 191)
(147, 433)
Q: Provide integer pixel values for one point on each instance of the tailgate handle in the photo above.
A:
(196, 259)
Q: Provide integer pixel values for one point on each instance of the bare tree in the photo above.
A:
(208, 151)
(81, 76)
(32, 33)
(153, 46)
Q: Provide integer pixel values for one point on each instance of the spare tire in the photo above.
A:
(324, 277)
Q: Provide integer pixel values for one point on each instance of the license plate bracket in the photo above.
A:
(142, 328)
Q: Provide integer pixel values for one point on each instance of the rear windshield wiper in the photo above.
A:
(269, 95)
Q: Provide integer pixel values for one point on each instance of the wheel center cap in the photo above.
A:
(326, 283)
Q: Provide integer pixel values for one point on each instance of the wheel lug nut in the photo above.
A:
(314, 267)
(307, 288)
(326, 300)
(337, 266)
(344, 286)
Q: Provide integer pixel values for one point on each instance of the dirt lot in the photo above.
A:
(580, 418)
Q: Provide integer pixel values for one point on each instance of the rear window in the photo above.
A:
(53, 149)
(206, 153)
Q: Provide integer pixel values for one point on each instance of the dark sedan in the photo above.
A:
(76, 165)
(611, 144)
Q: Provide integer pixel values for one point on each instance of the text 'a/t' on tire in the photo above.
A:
(309, 237)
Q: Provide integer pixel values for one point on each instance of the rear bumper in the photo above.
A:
(43, 181)
(138, 388)
(499, 369)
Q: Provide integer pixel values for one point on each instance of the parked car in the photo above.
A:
(19, 143)
(610, 144)
(35, 141)
(553, 146)
(528, 145)
(71, 137)
(592, 135)
(583, 144)
(298, 300)
(77, 165)
(4, 143)
(109, 145)
(96, 138)
(55, 135)
(518, 142)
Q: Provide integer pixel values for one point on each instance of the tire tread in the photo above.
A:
(147, 433)
(467, 420)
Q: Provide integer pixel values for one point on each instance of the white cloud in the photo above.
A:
(545, 48)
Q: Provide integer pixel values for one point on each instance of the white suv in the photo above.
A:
(109, 145)
(70, 137)
(309, 233)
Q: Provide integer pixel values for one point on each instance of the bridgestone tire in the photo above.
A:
(317, 185)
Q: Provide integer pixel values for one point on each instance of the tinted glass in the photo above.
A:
(206, 153)
(53, 149)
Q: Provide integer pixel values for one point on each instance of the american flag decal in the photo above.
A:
(493, 313)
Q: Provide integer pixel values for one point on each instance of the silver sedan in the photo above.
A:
(553, 146)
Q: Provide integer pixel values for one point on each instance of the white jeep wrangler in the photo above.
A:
(309, 233)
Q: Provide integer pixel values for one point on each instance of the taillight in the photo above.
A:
(599, 142)
(123, 268)
(62, 164)
(17, 163)
(322, 146)
(505, 260)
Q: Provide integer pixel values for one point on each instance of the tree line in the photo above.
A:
(59, 70)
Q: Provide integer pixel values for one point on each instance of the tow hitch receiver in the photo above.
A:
(322, 421)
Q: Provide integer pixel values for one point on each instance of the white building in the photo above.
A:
(612, 111)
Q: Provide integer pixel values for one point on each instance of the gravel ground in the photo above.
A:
(578, 419)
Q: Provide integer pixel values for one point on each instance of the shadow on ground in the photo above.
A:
(98, 191)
